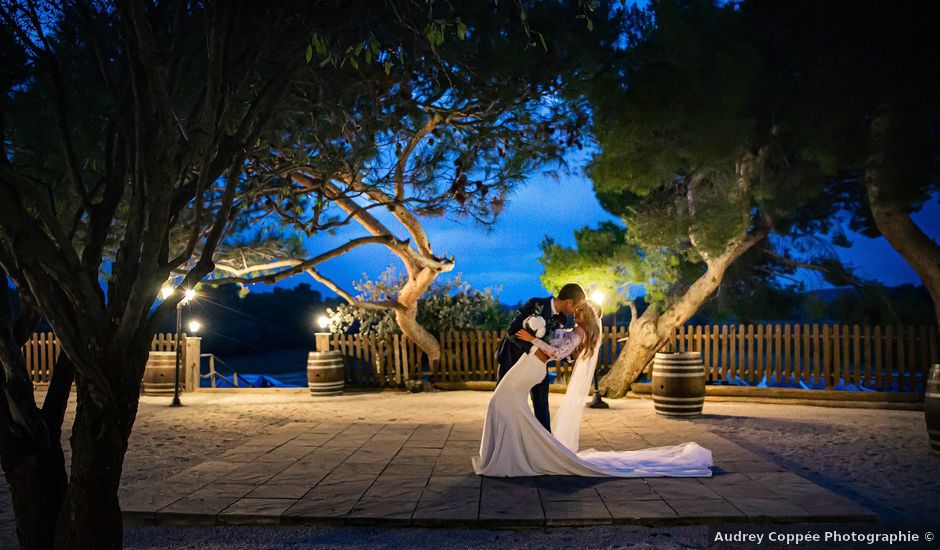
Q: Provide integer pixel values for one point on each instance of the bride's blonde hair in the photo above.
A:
(586, 317)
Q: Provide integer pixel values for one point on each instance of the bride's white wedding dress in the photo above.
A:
(515, 444)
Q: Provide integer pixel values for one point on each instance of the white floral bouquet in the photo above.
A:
(536, 325)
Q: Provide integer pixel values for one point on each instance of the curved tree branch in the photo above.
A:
(378, 306)
(302, 266)
(433, 120)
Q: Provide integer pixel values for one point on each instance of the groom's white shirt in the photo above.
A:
(554, 311)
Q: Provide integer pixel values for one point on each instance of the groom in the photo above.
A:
(555, 312)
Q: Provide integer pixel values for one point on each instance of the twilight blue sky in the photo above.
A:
(504, 256)
(507, 255)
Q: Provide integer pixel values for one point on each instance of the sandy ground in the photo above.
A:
(878, 458)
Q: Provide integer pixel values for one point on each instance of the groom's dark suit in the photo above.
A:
(511, 349)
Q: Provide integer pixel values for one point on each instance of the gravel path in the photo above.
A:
(878, 458)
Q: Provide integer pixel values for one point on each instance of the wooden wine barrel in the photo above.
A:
(325, 372)
(932, 408)
(160, 373)
(678, 384)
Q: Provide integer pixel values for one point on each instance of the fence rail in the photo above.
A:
(42, 350)
(465, 356)
(882, 358)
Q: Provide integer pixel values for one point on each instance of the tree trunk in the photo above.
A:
(91, 514)
(35, 471)
(35, 479)
(407, 315)
(408, 322)
(652, 330)
(893, 221)
(646, 337)
(30, 447)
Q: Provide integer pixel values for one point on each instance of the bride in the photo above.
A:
(515, 444)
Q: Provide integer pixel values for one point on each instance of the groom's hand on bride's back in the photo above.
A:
(522, 314)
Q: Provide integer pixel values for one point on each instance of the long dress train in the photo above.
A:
(515, 444)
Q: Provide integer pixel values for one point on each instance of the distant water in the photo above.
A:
(287, 367)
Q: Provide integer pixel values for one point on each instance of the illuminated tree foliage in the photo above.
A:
(692, 161)
(419, 133)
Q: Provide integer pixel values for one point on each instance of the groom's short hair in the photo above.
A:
(571, 291)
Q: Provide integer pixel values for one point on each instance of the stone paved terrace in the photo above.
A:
(419, 474)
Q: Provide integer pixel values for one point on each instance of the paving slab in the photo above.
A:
(336, 473)
(450, 512)
(424, 469)
(568, 494)
(280, 490)
(203, 474)
(343, 491)
(236, 490)
(196, 509)
(148, 502)
(454, 482)
(255, 511)
(769, 509)
(626, 490)
(684, 488)
(736, 484)
(452, 468)
(372, 511)
(319, 512)
(354, 469)
(576, 512)
(708, 510)
(469, 495)
(253, 472)
(511, 509)
(652, 511)
(391, 492)
(301, 474)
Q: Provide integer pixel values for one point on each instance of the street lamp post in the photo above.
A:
(597, 402)
(190, 294)
(176, 382)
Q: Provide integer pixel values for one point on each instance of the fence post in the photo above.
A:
(436, 369)
(212, 375)
(192, 351)
(323, 341)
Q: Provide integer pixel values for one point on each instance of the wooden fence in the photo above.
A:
(42, 350)
(883, 358)
(466, 356)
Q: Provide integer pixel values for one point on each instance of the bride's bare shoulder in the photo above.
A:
(579, 331)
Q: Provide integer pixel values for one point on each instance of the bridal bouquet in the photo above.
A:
(536, 324)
